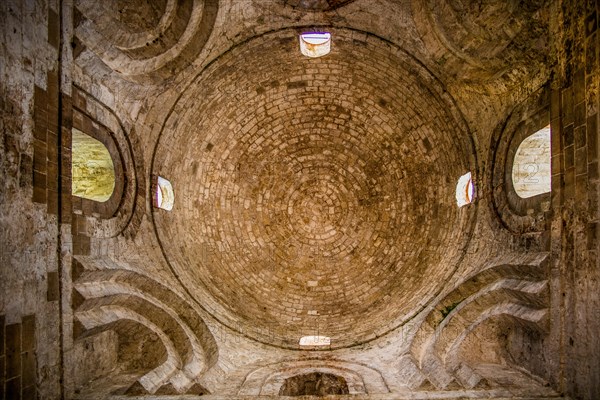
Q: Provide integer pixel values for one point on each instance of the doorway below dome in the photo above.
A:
(314, 384)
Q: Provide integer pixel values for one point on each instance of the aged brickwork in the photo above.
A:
(18, 358)
(312, 197)
(29, 200)
(294, 197)
(575, 196)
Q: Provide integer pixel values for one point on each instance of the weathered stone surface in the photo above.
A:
(323, 181)
(312, 197)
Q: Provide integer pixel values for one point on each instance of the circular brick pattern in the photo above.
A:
(313, 196)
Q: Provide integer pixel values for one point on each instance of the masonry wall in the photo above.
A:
(30, 354)
(566, 355)
(575, 201)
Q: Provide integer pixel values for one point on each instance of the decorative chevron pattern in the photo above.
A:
(117, 299)
(513, 291)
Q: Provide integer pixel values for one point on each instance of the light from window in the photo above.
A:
(92, 169)
(164, 196)
(531, 173)
(315, 44)
(464, 190)
(315, 341)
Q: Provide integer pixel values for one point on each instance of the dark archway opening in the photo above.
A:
(314, 384)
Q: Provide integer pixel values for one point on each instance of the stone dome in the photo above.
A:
(313, 196)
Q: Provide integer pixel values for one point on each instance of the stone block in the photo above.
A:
(52, 176)
(578, 89)
(592, 137)
(13, 350)
(581, 162)
(13, 388)
(567, 106)
(39, 155)
(581, 189)
(53, 289)
(52, 147)
(39, 180)
(52, 202)
(81, 245)
(580, 136)
(555, 104)
(28, 333)
(39, 96)
(39, 195)
(568, 135)
(569, 157)
(53, 28)
(39, 132)
(593, 172)
(28, 368)
(2, 320)
(30, 393)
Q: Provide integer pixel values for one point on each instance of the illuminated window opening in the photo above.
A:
(531, 172)
(464, 190)
(315, 44)
(92, 168)
(315, 341)
(164, 196)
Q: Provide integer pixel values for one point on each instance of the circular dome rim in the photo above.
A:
(466, 144)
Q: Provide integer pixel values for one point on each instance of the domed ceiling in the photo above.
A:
(313, 196)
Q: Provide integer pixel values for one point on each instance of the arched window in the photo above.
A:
(315, 341)
(531, 171)
(315, 44)
(164, 196)
(464, 190)
(92, 169)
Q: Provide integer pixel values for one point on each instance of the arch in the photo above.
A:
(97, 173)
(92, 168)
(518, 214)
(107, 316)
(531, 175)
(268, 380)
(109, 296)
(314, 384)
(510, 286)
(124, 208)
(147, 52)
(86, 129)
